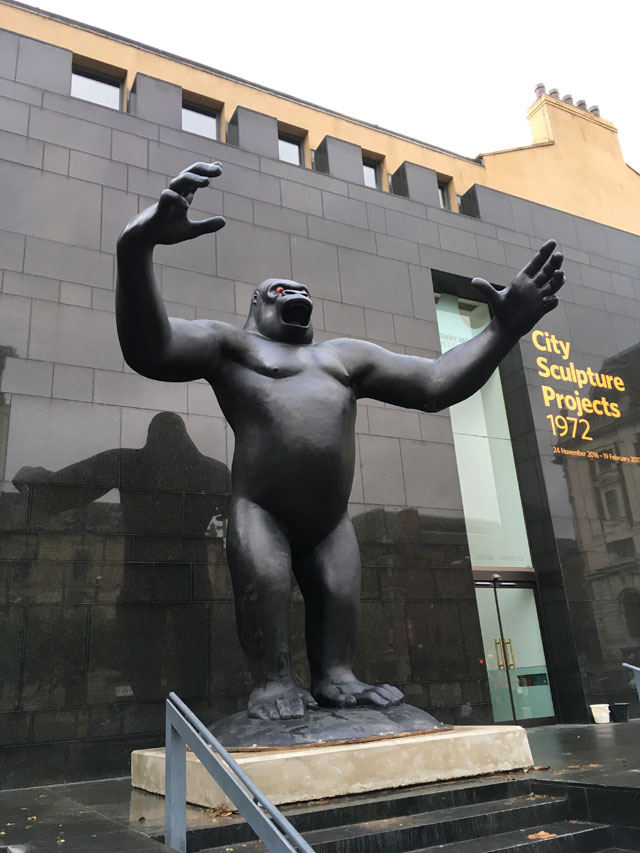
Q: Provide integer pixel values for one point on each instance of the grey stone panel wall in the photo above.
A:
(340, 159)
(416, 182)
(43, 65)
(119, 549)
(156, 100)
(254, 132)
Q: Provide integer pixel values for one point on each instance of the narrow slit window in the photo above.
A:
(97, 88)
(200, 120)
(289, 149)
(371, 173)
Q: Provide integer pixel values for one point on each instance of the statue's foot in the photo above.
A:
(279, 701)
(345, 691)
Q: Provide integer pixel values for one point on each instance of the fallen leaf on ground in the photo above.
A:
(542, 767)
(574, 766)
(543, 834)
(32, 817)
(576, 821)
(594, 765)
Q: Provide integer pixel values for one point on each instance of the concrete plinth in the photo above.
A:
(311, 773)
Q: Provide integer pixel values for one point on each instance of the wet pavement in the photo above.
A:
(111, 817)
(606, 754)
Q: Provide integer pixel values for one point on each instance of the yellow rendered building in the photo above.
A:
(574, 163)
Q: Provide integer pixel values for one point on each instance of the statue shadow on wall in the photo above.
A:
(168, 532)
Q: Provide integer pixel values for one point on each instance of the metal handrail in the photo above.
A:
(184, 729)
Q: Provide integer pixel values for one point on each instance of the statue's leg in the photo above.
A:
(329, 578)
(259, 560)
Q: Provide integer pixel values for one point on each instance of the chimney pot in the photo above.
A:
(594, 110)
(568, 99)
(581, 105)
(540, 90)
(554, 93)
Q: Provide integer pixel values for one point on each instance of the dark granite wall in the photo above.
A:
(113, 586)
(585, 550)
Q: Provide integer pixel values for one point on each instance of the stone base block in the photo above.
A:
(316, 772)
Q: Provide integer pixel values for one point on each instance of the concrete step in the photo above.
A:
(570, 838)
(365, 807)
(414, 831)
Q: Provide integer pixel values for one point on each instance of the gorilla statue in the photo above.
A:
(291, 403)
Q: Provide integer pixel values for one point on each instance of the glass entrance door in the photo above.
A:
(516, 666)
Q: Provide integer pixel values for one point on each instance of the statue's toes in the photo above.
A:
(396, 696)
(283, 709)
(375, 696)
(261, 712)
(331, 696)
(308, 701)
(381, 695)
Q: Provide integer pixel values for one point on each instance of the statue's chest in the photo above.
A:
(306, 364)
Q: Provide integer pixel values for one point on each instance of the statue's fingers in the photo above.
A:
(188, 182)
(206, 226)
(550, 302)
(540, 258)
(552, 266)
(487, 290)
(169, 199)
(557, 280)
(209, 170)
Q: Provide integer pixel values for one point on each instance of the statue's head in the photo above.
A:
(281, 310)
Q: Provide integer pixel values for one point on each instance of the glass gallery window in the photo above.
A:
(444, 195)
(289, 149)
(371, 173)
(486, 469)
(200, 119)
(90, 85)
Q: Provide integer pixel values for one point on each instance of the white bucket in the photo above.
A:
(600, 713)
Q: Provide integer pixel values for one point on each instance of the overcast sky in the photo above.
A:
(453, 73)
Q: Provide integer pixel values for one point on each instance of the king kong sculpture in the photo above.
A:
(291, 403)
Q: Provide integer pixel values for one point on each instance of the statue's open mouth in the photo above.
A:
(297, 312)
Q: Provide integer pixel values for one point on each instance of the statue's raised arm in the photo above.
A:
(435, 384)
(152, 343)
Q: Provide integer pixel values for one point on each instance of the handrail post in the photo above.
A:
(175, 803)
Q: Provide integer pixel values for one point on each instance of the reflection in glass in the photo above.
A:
(370, 172)
(172, 507)
(289, 150)
(602, 480)
(98, 91)
(490, 493)
(518, 655)
(200, 121)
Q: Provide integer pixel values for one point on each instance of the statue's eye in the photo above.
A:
(280, 289)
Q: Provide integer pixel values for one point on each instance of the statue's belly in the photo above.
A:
(295, 454)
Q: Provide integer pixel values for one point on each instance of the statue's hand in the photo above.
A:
(28, 475)
(531, 294)
(167, 222)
